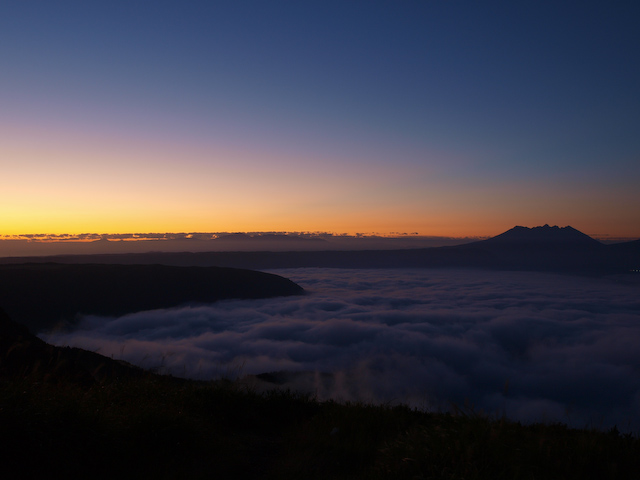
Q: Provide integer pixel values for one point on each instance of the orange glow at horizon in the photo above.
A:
(71, 184)
(174, 119)
(360, 224)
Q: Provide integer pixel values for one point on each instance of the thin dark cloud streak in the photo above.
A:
(539, 347)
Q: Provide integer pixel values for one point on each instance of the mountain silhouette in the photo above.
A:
(545, 248)
(43, 295)
(543, 235)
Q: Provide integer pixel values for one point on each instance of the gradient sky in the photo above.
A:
(443, 118)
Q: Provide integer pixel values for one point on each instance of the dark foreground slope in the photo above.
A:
(25, 356)
(45, 295)
(68, 414)
(551, 249)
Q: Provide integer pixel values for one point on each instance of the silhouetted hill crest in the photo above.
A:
(23, 355)
(43, 295)
(543, 234)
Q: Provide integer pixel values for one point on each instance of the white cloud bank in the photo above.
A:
(539, 347)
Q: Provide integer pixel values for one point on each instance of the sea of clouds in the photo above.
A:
(533, 346)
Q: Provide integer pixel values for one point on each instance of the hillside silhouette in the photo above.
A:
(69, 413)
(44, 295)
(23, 355)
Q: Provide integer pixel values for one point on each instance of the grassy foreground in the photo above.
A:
(158, 427)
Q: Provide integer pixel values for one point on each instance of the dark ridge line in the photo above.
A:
(548, 249)
(46, 295)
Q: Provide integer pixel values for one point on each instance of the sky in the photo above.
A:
(442, 118)
(537, 347)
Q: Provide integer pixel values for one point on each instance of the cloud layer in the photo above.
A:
(538, 347)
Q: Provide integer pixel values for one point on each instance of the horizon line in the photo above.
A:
(199, 235)
(87, 237)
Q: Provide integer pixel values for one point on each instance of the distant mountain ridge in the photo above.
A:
(544, 248)
(544, 234)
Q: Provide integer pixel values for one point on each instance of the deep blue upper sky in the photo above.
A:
(439, 117)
